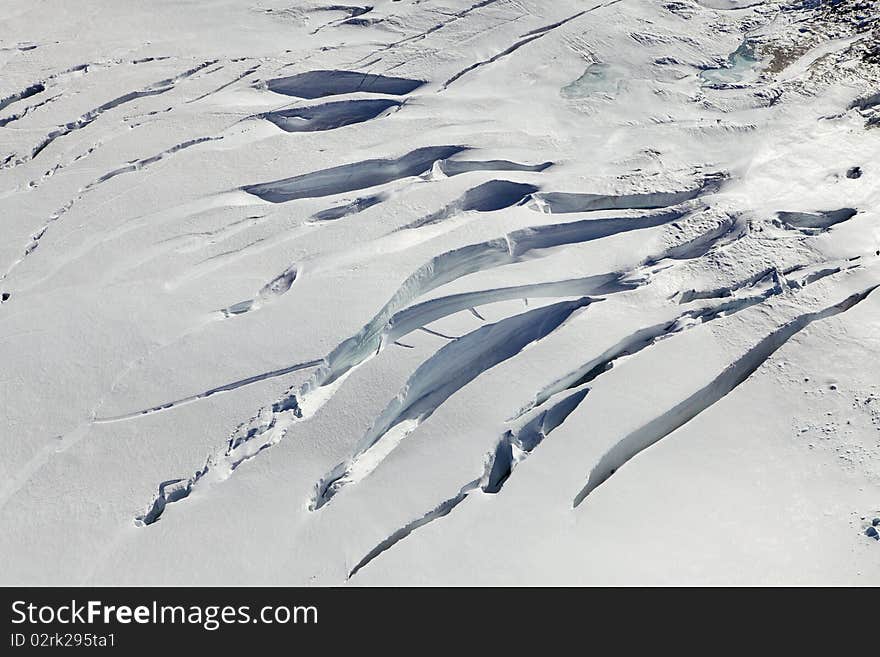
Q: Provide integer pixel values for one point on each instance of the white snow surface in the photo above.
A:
(442, 292)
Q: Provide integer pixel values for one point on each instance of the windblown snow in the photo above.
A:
(440, 292)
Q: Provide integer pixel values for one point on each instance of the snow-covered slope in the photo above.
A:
(439, 292)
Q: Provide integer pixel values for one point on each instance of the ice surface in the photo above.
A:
(740, 65)
(423, 292)
(597, 78)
